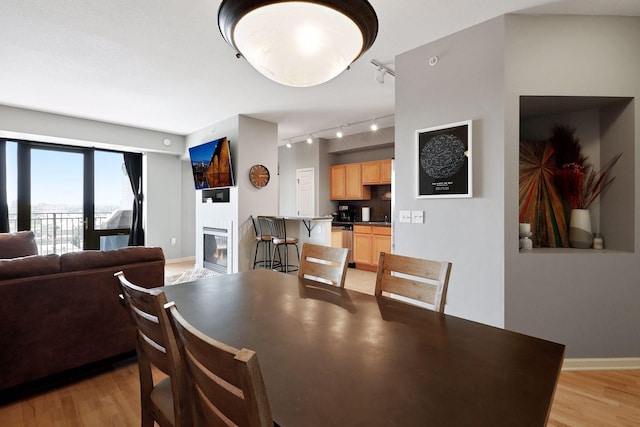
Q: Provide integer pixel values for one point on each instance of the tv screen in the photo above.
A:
(211, 164)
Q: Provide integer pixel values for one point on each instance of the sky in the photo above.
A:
(56, 177)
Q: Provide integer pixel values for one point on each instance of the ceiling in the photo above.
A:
(163, 65)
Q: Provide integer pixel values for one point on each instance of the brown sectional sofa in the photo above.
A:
(62, 312)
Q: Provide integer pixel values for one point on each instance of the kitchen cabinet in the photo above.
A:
(368, 242)
(385, 171)
(338, 179)
(346, 183)
(377, 172)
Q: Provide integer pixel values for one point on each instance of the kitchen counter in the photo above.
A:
(373, 223)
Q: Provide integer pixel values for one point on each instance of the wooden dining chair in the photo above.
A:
(324, 264)
(417, 279)
(226, 383)
(166, 402)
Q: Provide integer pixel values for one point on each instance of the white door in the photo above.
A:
(305, 192)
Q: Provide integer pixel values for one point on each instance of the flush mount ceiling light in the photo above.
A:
(299, 43)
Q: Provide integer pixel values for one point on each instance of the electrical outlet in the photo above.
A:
(405, 216)
(417, 217)
(174, 241)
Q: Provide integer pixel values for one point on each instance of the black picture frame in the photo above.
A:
(444, 161)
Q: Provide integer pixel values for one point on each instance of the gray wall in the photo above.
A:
(302, 155)
(588, 300)
(466, 84)
(163, 178)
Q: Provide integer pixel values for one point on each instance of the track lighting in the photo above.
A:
(381, 71)
(339, 131)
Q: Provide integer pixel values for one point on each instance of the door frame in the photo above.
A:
(313, 189)
(91, 236)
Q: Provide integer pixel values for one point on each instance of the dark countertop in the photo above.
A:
(374, 223)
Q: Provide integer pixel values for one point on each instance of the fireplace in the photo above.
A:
(216, 257)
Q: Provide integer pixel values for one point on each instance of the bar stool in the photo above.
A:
(263, 237)
(279, 238)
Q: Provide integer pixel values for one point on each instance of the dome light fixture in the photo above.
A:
(299, 43)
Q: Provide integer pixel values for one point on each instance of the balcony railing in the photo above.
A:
(59, 232)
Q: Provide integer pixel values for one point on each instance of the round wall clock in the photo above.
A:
(259, 175)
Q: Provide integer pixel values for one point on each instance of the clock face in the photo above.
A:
(259, 175)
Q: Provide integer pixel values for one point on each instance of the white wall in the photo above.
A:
(252, 142)
(466, 84)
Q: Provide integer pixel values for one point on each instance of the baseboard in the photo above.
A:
(179, 260)
(603, 364)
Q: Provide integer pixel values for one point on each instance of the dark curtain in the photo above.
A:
(133, 163)
(4, 207)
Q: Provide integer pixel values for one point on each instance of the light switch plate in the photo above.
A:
(405, 216)
(417, 217)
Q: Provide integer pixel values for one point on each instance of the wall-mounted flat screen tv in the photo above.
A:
(211, 164)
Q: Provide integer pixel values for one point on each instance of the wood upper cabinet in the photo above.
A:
(346, 183)
(377, 172)
(368, 242)
(385, 171)
(338, 178)
(371, 173)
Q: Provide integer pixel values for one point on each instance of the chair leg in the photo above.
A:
(286, 259)
(255, 256)
(266, 248)
(273, 255)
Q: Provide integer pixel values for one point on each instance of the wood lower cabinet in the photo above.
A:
(368, 242)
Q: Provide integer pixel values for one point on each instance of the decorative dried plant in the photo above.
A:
(598, 182)
(573, 168)
(540, 202)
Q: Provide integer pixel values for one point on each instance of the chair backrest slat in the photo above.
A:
(157, 346)
(277, 227)
(325, 263)
(418, 279)
(227, 382)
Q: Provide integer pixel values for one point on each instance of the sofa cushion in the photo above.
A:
(29, 266)
(20, 244)
(76, 261)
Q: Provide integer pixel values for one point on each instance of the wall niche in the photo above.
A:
(604, 126)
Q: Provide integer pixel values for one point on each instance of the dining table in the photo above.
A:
(331, 356)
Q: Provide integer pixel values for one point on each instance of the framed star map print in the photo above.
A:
(444, 161)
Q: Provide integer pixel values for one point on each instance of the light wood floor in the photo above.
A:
(111, 397)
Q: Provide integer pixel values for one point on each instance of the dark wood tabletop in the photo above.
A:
(335, 357)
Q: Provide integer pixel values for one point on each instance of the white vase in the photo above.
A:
(580, 235)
